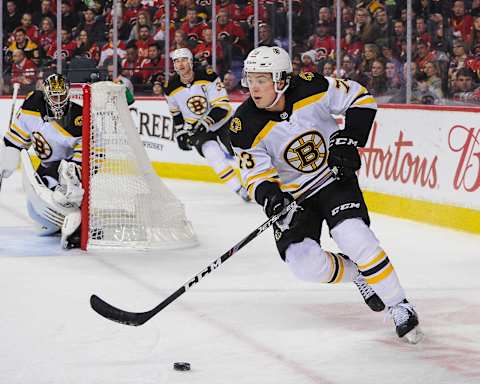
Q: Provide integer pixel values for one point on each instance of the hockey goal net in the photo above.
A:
(125, 204)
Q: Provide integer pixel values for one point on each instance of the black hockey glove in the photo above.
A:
(343, 157)
(198, 131)
(276, 202)
(183, 137)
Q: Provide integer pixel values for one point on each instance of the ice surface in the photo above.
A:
(250, 321)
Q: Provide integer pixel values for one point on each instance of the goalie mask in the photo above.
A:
(57, 93)
(274, 60)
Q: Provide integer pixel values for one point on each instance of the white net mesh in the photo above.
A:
(129, 206)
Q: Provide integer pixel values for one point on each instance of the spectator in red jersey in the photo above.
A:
(70, 19)
(232, 86)
(322, 39)
(161, 11)
(421, 31)
(143, 42)
(230, 32)
(68, 47)
(95, 28)
(46, 10)
(31, 29)
(132, 65)
(203, 51)
(247, 17)
(86, 47)
(11, 18)
(475, 36)
(107, 50)
(143, 20)
(23, 71)
(422, 54)
(350, 43)
(29, 48)
(193, 26)
(154, 66)
(47, 36)
(233, 10)
(461, 22)
(132, 8)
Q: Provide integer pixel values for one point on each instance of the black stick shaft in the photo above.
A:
(138, 318)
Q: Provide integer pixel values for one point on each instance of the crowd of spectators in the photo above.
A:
(445, 43)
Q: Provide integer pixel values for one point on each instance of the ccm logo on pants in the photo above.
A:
(345, 206)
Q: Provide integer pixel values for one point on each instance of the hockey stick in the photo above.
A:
(16, 87)
(138, 318)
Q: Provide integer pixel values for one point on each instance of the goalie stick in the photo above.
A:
(138, 318)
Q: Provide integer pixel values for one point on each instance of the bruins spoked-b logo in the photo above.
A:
(306, 153)
(197, 104)
(43, 149)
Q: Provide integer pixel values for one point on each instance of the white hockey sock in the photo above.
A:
(217, 160)
(309, 262)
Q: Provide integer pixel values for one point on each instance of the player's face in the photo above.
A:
(261, 89)
(182, 66)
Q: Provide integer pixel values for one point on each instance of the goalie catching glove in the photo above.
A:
(343, 157)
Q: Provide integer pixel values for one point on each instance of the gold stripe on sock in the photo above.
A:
(378, 258)
(376, 279)
(341, 270)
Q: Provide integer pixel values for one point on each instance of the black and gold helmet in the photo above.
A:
(57, 93)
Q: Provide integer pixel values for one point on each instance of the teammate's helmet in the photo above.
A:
(274, 60)
(182, 53)
(57, 92)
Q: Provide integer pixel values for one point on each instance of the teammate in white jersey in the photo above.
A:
(285, 139)
(200, 108)
(50, 124)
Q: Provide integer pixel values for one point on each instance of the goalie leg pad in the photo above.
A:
(45, 227)
(69, 192)
(71, 230)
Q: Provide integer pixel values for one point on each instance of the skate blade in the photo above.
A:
(414, 336)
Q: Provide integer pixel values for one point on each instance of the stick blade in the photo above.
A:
(118, 315)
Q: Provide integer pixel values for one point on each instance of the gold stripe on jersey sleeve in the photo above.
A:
(20, 132)
(362, 90)
(202, 82)
(60, 129)
(175, 91)
(289, 187)
(264, 132)
(369, 100)
(265, 174)
(30, 113)
(190, 120)
(308, 100)
(16, 139)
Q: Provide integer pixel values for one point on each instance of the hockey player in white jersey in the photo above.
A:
(285, 139)
(52, 125)
(200, 108)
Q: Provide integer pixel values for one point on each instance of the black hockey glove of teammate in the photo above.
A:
(183, 137)
(343, 157)
(198, 131)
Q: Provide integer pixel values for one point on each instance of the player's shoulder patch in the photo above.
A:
(34, 102)
(205, 74)
(172, 84)
(246, 124)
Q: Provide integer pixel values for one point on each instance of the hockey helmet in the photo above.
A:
(182, 53)
(57, 93)
(274, 60)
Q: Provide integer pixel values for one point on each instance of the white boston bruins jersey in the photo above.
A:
(291, 147)
(197, 99)
(52, 140)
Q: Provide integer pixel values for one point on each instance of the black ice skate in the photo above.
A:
(371, 298)
(406, 322)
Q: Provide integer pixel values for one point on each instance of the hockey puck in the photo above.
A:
(181, 366)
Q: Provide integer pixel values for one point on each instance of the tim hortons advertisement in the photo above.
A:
(428, 155)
